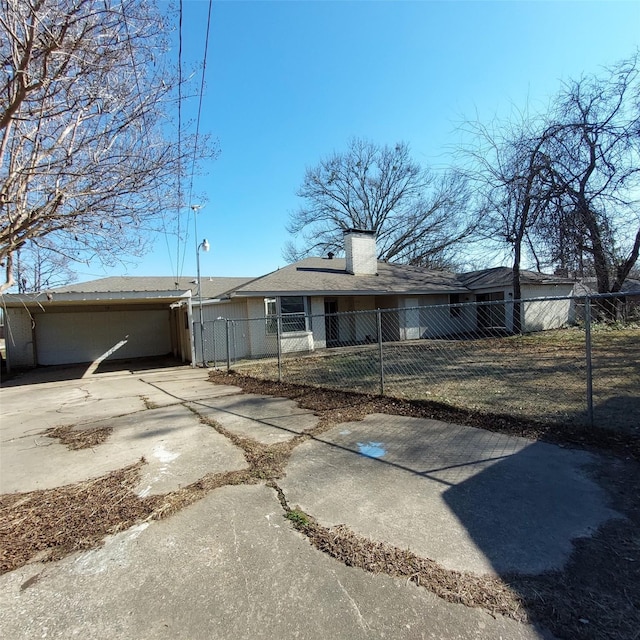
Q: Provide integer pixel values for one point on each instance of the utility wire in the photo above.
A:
(200, 97)
(179, 140)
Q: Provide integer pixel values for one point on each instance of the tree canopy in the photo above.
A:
(416, 215)
(88, 164)
(564, 186)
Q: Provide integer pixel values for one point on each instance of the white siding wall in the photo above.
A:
(546, 314)
(216, 330)
(261, 343)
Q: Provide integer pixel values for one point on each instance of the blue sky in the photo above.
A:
(288, 83)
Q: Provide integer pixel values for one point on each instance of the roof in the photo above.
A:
(503, 277)
(126, 289)
(325, 276)
(211, 287)
(631, 286)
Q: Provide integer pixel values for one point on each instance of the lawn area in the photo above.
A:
(541, 376)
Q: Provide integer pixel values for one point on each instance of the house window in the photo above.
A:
(293, 311)
(271, 312)
(294, 317)
(454, 312)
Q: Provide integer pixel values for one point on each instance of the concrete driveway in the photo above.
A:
(230, 565)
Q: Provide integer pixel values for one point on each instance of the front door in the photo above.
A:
(491, 316)
(331, 321)
(411, 319)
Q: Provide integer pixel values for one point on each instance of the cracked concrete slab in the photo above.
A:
(470, 499)
(228, 566)
(184, 388)
(177, 447)
(264, 418)
(33, 408)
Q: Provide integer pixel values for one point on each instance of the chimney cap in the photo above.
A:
(363, 231)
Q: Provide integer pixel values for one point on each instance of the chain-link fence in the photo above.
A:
(554, 359)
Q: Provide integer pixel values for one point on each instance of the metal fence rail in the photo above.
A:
(575, 359)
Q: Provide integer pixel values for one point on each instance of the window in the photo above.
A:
(455, 312)
(293, 312)
(271, 311)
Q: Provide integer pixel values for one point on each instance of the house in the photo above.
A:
(493, 289)
(627, 300)
(106, 319)
(326, 302)
(312, 304)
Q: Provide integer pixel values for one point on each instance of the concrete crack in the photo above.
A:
(361, 620)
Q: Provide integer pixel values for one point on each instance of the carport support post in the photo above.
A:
(587, 340)
(379, 320)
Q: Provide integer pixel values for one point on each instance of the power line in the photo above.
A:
(200, 97)
(179, 138)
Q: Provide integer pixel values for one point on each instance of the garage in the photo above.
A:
(90, 336)
(117, 318)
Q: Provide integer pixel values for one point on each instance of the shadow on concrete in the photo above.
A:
(523, 512)
(59, 373)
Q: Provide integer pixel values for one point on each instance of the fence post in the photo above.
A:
(587, 340)
(227, 322)
(215, 363)
(279, 342)
(235, 341)
(379, 321)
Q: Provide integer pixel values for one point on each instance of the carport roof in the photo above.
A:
(211, 287)
(124, 289)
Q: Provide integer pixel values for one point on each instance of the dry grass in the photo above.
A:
(51, 523)
(75, 438)
(540, 376)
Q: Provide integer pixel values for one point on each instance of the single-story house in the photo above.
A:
(323, 302)
(312, 304)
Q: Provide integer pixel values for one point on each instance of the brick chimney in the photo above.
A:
(360, 251)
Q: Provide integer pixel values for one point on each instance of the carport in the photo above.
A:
(68, 326)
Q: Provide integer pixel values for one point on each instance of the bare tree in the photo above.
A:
(39, 267)
(416, 216)
(86, 162)
(595, 157)
(565, 186)
(512, 172)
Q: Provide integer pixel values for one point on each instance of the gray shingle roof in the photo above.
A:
(324, 276)
(503, 277)
(211, 287)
